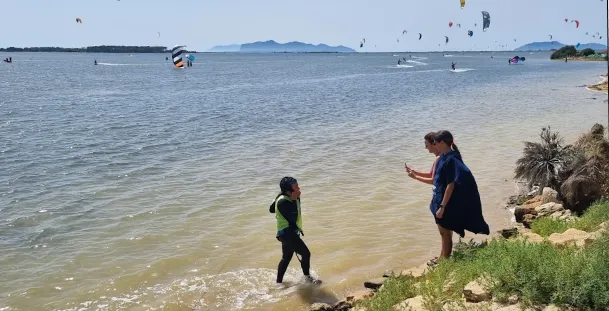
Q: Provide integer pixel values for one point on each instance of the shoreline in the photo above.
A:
(600, 86)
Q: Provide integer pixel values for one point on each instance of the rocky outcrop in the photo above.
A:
(321, 307)
(477, 291)
(549, 195)
(571, 237)
(416, 272)
(548, 208)
(531, 237)
(374, 284)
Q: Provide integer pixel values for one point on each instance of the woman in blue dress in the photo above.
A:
(456, 204)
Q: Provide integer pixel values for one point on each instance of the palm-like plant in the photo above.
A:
(543, 163)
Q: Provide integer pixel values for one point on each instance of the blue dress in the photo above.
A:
(464, 209)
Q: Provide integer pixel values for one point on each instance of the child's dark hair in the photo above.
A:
(430, 137)
(447, 138)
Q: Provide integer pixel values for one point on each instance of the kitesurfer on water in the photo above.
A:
(399, 62)
(289, 228)
(453, 65)
(95, 61)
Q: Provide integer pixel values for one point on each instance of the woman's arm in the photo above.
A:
(425, 175)
(426, 180)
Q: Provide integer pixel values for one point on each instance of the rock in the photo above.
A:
(549, 195)
(531, 237)
(513, 299)
(320, 307)
(389, 273)
(475, 292)
(416, 272)
(359, 308)
(513, 200)
(519, 213)
(374, 284)
(548, 208)
(571, 236)
(534, 191)
(360, 295)
(604, 226)
(557, 215)
(508, 233)
(535, 200)
(465, 306)
(528, 219)
(410, 304)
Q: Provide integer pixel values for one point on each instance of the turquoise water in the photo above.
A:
(133, 185)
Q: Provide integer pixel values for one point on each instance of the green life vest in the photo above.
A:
(282, 223)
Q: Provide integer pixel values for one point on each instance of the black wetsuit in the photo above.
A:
(290, 239)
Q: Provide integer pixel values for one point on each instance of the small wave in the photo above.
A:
(233, 290)
(416, 62)
(417, 57)
(449, 55)
(396, 55)
(402, 66)
(461, 70)
(113, 64)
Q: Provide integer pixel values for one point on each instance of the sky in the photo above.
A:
(202, 24)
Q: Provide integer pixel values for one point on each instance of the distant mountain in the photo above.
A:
(226, 48)
(555, 45)
(290, 47)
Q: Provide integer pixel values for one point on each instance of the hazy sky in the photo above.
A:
(201, 24)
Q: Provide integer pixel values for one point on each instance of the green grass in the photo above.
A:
(594, 216)
(395, 290)
(537, 273)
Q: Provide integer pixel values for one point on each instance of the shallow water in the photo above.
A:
(133, 185)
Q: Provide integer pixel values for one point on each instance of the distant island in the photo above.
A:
(274, 47)
(95, 49)
(555, 45)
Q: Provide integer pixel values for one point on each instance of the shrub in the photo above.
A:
(563, 52)
(587, 51)
(544, 163)
(588, 172)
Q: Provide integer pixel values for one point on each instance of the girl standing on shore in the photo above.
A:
(427, 177)
(456, 204)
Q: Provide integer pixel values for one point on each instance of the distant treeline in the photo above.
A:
(95, 49)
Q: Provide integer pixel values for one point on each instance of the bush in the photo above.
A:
(545, 162)
(590, 220)
(587, 51)
(563, 52)
(588, 172)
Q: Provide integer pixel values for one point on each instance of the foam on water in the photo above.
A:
(416, 62)
(461, 70)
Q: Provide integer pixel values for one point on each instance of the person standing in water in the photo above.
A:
(453, 65)
(286, 208)
(456, 204)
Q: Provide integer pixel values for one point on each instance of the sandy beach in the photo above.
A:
(601, 86)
